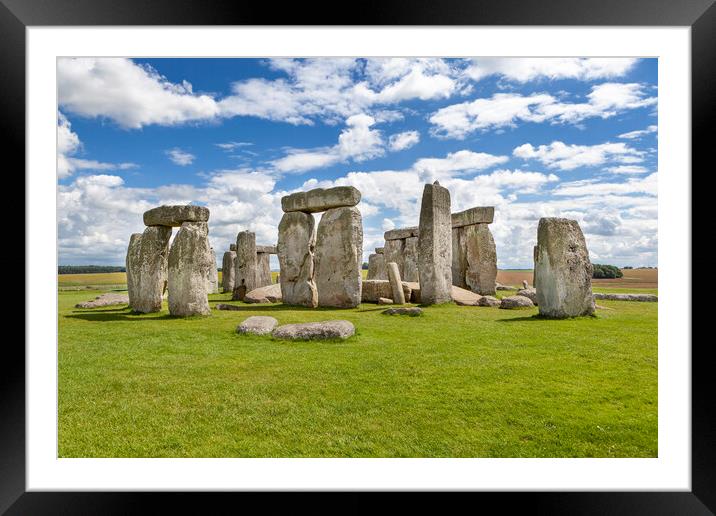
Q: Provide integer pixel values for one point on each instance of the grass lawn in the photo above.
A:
(455, 382)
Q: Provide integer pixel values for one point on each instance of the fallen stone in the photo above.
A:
(464, 297)
(315, 330)
(562, 272)
(512, 302)
(530, 293)
(175, 216)
(400, 234)
(296, 241)
(628, 297)
(257, 325)
(410, 260)
(225, 306)
(489, 301)
(151, 269)
(411, 311)
(339, 258)
(500, 286)
(246, 271)
(108, 299)
(376, 267)
(266, 294)
(373, 290)
(385, 301)
(435, 246)
(477, 215)
(320, 199)
(189, 264)
(228, 266)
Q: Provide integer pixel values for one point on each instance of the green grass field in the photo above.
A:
(455, 382)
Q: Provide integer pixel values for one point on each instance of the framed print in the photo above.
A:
(234, 195)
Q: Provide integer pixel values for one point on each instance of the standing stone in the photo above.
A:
(189, 263)
(563, 272)
(435, 246)
(232, 247)
(378, 250)
(410, 259)
(132, 266)
(213, 275)
(228, 265)
(245, 275)
(480, 258)
(338, 260)
(393, 251)
(459, 259)
(151, 269)
(376, 267)
(296, 242)
(396, 284)
(263, 269)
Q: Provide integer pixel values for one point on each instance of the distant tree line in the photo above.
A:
(606, 271)
(89, 269)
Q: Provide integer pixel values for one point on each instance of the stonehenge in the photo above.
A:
(187, 270)
(228, 266)
(321, 268)
(435, 245)
(401, 247)
(562, 270)
(474, 256)
(396, 284)
(213, 275)
(251, 267)
(376, 267)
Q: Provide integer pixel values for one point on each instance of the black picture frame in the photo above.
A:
(700, 15)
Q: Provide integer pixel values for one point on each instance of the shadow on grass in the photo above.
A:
(538, 317)
(117, 315)
(275, 307)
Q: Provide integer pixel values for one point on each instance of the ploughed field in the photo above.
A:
(458, 381)
(634, 279)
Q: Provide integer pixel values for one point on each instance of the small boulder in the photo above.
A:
(268, 294)
(529, 292)
(224, 306)
(107, 299)
(257, 325)
(413, 311)
(489, 301)
(315, 331)
(500, 286)
(385, 301)
(512, 302)
(464, 297)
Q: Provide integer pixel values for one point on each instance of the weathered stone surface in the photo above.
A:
(412, 311)
(563, 272)
(270, 249)
(189, 263)
(435, 246)
(263, 269)
(232, 247)
(378, 250)
(132, 266)
(108, 299)
(396, 284)
(320, 199)
(464, 297)
(376, 267)
(488, 301)
(225, 306)
(213, 275)
(414, 291)
(410, 260)
(338, 258)
(228, 269)
(151, 269)
(529, 292)
(257, 325)
(478, 215)
(385, 301)
(394, 252)
(296, 242)
(266, 294)
(246, 271)
(628, 297)
(474, 259)
(401, 233)
(373, 290)
(525, 284)
(315, 330)
(512, 302)
(175, 215)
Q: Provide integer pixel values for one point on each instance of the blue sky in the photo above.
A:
(568, 137)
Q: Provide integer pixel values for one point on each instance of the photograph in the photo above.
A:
(357, 257)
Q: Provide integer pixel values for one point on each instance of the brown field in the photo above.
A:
(633, 278)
